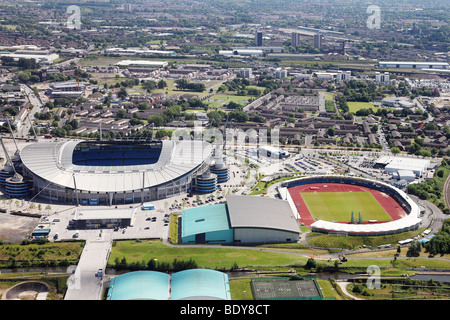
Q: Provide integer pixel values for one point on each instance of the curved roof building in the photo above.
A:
(113, 172)
(200, 284)
(139, 285)
(193, 284)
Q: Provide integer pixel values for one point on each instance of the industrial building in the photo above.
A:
(241, 52)
(40, 56)
(146, 63)
(103, 218)
(394, 164)
(272, 152)
(193, 284)
(242, 219)
(413, 65)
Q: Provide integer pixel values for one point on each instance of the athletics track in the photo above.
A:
(388, 203)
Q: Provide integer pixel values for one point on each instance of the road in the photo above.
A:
(37, 107)
(447, 192)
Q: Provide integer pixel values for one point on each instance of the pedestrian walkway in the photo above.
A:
(83, 284)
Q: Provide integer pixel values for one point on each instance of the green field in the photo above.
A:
(355, 106)
(338, 206)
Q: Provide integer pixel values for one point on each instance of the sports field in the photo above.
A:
(338, 206)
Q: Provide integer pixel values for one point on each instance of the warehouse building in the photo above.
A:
(193, 284)
(103, 218)
(394, 164)
(243, 219)
(413, 65)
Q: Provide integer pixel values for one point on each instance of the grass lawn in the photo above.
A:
(355, 106)
(338, 206)
(212, 258)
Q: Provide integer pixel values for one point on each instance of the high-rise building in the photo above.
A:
(318, 41)
(382, 77)
(259, 39)
(245, 72)
(295, 39)
(280, 73)
(128, 7)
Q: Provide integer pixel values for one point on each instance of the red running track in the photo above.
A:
(391, 206)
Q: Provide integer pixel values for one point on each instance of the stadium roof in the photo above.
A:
(53, 162)
(204, 219)
(261, 212)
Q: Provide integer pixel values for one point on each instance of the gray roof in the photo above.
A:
(261, 212)
(52, 161)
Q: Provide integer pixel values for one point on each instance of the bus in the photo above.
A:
(148, 206)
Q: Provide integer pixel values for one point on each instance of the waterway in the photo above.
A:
(443, 278)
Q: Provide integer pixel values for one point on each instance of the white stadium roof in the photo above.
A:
(409, 221)
(53, 162)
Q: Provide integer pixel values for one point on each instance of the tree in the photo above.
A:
(395, 150)
(330, 131)
(162, 84)
(122, 94)
(310, 264)
(414, 249)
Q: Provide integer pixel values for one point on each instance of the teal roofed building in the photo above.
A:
(194, 284)
(139, 285)
(242, 219)
(208, 224)
(200, 284)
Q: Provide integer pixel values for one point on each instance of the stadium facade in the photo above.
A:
(113, 172)
(409, 222)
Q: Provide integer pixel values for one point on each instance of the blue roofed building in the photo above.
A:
(208, 224)
(200, 284)
(193, 284)
(139, 285)
(242, 219)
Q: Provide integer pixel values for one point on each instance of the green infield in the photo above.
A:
(338, 206)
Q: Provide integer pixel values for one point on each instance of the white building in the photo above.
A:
(396, 164)
(245, 72)
(413, 65)
(241, 52)
(147, 63)
(279, 74)
(382, 78)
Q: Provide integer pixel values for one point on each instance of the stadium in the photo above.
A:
(351, 206)
(113, 172)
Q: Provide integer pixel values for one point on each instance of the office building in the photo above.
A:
(318, 41)
(295, 39)
(259, 39)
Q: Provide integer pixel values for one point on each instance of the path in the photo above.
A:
(343, 286)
